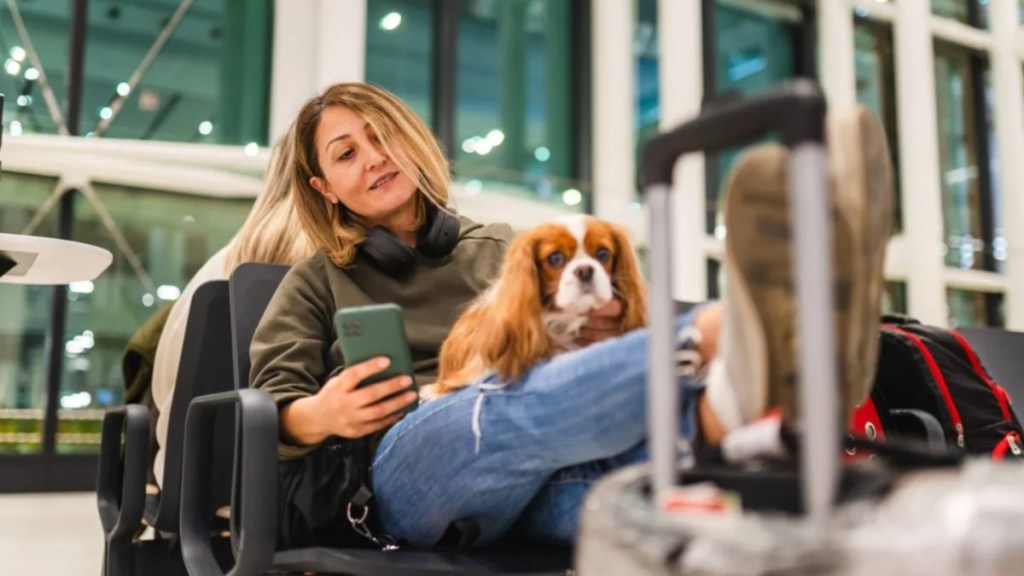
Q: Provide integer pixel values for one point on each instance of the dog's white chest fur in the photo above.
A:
(564, 328)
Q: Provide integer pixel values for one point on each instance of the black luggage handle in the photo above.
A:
(796, 113)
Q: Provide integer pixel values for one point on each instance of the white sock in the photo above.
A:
(721, 396)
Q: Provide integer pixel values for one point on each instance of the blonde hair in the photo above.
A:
(332, 228)
(271, 232)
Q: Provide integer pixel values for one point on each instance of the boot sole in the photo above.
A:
(861, 173)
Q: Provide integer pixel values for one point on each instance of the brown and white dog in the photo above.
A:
(552, 278)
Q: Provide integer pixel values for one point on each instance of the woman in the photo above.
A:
(270, 234)
(366, 166)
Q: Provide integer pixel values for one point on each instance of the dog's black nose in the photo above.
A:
(585, 273)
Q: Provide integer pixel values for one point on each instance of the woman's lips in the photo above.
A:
(383, 180)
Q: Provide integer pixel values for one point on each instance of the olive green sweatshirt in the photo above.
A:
(295, 347)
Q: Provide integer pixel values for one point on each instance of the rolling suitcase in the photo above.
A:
(819, 518)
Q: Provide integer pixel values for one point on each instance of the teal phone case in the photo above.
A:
(365, 332)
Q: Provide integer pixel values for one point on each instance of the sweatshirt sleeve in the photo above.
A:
(292, 340)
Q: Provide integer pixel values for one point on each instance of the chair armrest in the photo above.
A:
(121, 481)
(255, 494)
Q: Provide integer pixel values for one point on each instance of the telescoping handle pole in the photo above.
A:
(797, 114)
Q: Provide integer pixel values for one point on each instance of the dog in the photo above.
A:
(553, 276)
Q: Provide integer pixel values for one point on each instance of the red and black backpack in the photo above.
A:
(927, 375)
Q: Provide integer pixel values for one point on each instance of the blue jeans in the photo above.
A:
(526, 452)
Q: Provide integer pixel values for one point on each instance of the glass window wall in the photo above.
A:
(209, 82)
(24, 323)
(513, 118)
(170, 236)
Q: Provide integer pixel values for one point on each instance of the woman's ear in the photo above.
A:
(629, 282)
(320, 185)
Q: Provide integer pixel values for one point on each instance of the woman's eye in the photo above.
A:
(346, 154)
(603, 255)
(556, 259)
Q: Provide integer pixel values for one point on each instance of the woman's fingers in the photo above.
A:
(380, 390)
(379, 424)
(612, 309)
(386, 408)
(351, 376)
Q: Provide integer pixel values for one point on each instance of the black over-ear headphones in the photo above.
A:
(437, 237)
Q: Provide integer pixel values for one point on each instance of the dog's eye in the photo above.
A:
(556, 259)
(603, 255)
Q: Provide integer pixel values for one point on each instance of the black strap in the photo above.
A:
(362, 497)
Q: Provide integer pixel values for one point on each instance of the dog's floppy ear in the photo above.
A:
(628, 281)
(513, 338)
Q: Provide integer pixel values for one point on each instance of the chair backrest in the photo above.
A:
(252, 285)
(1001, 351)
(205, 368)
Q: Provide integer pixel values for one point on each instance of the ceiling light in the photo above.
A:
(18, 53)
(391, 21)
(12, 67)
(252, 149)
(31, 74)
(82, 287)
(168, 292)
(572, 197)
(205, 127)
(495, 137)
(14, 128)
(124, 89)
(542, 154)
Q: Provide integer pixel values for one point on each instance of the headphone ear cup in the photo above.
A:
(440, 235)
(386, 252)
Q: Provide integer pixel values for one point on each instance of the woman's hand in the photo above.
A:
(340, 409)
(604, 322)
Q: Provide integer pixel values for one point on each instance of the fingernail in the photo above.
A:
(383, 362)
(406, 381)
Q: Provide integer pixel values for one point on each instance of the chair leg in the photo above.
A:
(117, 559)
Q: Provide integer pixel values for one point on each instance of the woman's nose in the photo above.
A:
(376, 158)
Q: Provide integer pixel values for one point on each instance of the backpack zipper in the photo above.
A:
(1014, 447)
(1009, 442)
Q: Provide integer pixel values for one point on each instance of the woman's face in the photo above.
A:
(357, 172)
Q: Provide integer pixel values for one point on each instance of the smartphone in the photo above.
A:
(366, 332)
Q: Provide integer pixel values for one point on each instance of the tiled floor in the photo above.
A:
(50, 535)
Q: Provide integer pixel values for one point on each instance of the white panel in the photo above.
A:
(962, 34)
(342, 42)
(835, 31)
(293, 63)
(681, 89)
(614, 109)
(316, 43)
(1008, 88)
(919, 155)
